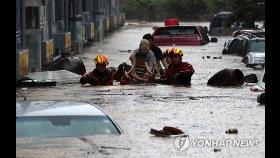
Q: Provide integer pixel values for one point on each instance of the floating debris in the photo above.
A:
(217, 150)
(232, 131)
(193, 98)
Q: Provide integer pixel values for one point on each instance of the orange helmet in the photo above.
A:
(174, 51)
(101, 59)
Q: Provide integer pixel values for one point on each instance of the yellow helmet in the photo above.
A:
(101, 59)
(175, 51)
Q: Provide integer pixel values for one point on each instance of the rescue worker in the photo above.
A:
(144, 68)
(157, 52)
(178, 72)
(101, 75)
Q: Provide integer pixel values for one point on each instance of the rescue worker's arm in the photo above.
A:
(185, 74)
(164, 63)
(132, 67)
(88, 78)
(187, 68)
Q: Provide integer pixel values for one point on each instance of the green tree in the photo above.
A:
(248, 10)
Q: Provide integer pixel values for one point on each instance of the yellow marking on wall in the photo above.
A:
(49, 50)
(67, 40)
(23, 62)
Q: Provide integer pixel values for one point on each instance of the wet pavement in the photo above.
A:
(203, 112)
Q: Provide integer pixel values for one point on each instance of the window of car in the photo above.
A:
(257, 46)
(64, 126)
(188, 31)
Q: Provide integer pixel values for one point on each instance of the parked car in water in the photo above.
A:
(62, 119)
(174, 34)
(251, 32)
(225, 23)
(256, 55)
(244, 44)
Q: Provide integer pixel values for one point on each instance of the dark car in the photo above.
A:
(225, 23)
(61, 119)
(243, 44)
(251, 32)
(174, 34)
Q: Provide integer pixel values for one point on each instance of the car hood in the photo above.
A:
(74, 147)
(257, 54)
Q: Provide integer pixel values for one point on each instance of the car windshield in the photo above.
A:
(63, 126)
(180, 30)
(257, 46)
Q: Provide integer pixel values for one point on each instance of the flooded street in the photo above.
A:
(201, 111)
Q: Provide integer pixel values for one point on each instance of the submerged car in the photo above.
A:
(62, 119)
(251, 32)
(225, 23)
(174, 34)
(243, 44)
(256, 55)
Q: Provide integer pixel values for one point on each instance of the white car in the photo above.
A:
(256, 55)
(62, 119)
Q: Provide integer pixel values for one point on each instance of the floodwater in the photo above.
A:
(201, 111)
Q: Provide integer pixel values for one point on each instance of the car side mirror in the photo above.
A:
(214, 40)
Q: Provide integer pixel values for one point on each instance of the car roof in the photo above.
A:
(56, 108)
(249, 32)
(247, 37)
(178, 26)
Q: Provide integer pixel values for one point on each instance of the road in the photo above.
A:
(202, 111)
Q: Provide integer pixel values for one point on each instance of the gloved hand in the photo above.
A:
(83, 80)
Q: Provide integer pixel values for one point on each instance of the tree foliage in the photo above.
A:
(192, 9)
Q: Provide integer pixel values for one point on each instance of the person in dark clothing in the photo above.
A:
(157, 52)
(178, 72)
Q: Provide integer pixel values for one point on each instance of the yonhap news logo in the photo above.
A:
(183, 143)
